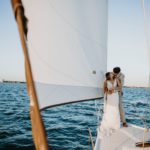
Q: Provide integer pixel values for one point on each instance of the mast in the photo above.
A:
(38, 129)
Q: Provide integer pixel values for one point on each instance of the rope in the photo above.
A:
(98, 112)
(143, 118)
(91, 138)
(148, 50)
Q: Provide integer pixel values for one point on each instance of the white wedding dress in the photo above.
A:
(111, 117)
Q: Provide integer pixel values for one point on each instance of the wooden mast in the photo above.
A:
(38, 129)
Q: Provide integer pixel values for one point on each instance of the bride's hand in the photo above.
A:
(110, 91)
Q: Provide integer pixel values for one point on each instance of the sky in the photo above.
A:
(126, 42)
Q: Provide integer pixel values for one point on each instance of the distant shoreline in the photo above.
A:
(6, 81)
(135, 87)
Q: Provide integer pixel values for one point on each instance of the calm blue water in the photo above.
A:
(66, 126)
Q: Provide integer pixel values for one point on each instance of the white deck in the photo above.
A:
(122, 139)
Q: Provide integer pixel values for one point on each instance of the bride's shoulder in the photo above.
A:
(107, 82)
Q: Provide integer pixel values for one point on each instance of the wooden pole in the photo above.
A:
(38, 129)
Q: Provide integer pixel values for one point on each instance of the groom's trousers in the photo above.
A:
(121, 109)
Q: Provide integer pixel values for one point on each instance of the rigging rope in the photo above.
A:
(148, 49)
(146, 35)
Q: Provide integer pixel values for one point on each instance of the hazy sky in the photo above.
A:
(126, 42)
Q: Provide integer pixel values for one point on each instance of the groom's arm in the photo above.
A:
(119, 85)
(121, 77)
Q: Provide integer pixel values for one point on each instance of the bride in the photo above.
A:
(111, 117)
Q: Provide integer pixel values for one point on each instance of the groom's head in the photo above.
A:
(116, 70)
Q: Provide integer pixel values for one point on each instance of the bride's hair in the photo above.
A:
(107, 75)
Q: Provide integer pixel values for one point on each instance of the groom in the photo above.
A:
(117, 72)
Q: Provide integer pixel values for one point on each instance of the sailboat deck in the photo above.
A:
(123, 139)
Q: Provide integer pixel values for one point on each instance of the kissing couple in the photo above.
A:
(113, 106)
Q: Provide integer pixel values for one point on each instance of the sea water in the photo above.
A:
(66, 126)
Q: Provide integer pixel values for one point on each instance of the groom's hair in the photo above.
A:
(116, 70)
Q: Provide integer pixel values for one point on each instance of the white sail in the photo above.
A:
(67, 41)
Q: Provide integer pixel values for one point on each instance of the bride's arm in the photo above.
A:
(105, 87)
